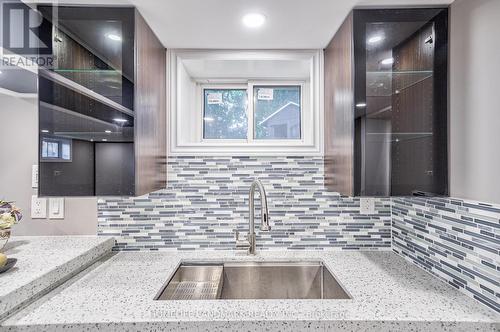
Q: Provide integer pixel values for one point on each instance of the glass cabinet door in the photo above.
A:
(400, 102)
(86, 101)
(93, 47)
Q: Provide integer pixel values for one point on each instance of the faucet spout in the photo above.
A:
(264, 225)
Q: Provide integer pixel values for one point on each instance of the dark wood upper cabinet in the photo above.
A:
(102, 101)
(339, 104)
(386, 103)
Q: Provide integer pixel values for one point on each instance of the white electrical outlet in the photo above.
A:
(38, 207)
(56, 208)
(367, 205)
(34, 176)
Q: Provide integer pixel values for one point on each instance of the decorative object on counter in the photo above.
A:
(6, 263)
(9, 216)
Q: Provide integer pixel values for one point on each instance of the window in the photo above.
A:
(238, 102)
(277, 112)
(50, 149)
(56, 149)
(224, 114)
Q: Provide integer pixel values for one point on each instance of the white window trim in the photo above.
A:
(311, 141)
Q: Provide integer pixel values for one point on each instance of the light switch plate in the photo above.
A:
(56, 208)
(34, 176)
(38, 207)
(367, 205)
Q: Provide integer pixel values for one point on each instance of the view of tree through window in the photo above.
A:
(224, 114)
(277, 112)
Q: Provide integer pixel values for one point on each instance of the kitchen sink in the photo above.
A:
(252, 280)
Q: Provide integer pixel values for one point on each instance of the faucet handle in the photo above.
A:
(240, 244)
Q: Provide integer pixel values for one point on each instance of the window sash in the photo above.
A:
(255, 88)
(205, 110)
(249, 86)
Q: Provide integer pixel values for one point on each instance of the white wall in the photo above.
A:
(18, 152)
(475, 100)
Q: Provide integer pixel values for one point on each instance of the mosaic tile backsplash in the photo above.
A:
(456, 240)
(207, 198)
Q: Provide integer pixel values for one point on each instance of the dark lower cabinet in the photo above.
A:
(396, 136)
(102, 107)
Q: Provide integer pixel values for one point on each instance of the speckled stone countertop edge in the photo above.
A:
(57, 275)
(268, 325)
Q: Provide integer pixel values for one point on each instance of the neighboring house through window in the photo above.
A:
(282, 124)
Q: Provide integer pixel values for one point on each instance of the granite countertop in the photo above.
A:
(388, 294)
(44, 262)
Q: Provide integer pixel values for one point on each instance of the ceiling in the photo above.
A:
(216, 24)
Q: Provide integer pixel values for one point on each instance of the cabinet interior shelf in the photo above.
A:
(83, 70)
(59, 79)
(387, 83)
(401, 72)
(400, 137)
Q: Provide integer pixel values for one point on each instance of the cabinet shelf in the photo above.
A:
(59, 79)
(74, 125)
(401, 72)
(83, 70)
(400, 137)
(387, 83)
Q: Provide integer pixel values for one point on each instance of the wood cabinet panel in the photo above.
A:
(339, 110)
(150, 109)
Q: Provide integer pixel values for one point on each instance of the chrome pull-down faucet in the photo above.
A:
(264, 225)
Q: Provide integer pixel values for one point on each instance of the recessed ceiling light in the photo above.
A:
(253, 20)
(45, 130)
(120, 120)
(107, 131)
(104, 140)
(114, 37)
(388, 61)
(375, 39)
(360, 105)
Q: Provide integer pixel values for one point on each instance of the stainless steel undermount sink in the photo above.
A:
(252, 280)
